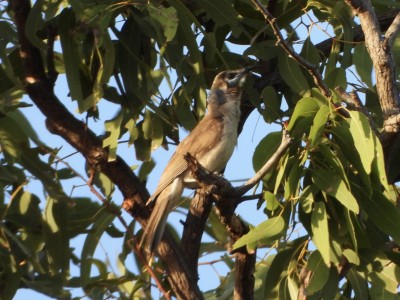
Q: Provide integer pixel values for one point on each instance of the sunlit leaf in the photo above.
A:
(267, 231)
(363, 140)
(333, 185)
(305, 109)
(319, 226)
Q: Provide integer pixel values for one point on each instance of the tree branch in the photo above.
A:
(61, 122)
(312, 69)
(227, 199)
(286, 140)
(379, 51)
(392, 31)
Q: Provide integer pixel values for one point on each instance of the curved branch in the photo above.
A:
(312, 69)
(61, 122)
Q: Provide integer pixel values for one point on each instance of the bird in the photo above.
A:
(211, 142)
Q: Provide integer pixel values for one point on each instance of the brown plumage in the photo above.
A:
(212, 142)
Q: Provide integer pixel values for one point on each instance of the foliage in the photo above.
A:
(329, 207)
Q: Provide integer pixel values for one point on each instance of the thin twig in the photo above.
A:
(311, 68)
(286, 140)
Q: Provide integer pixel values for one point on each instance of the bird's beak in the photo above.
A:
(238, 80)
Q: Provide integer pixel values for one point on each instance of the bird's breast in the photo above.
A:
(216, 159)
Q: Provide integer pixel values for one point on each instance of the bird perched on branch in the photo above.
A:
(211, 142)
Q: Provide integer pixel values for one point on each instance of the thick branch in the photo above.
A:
(61, 122)
(379, 49)
(200, 208)
(227, 198)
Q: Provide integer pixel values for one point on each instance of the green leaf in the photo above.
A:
(265, 149)
(153, 129)
(24, 210)
(344, 140)
(56, 235)
(292, 183)
(113, 126)
(318, 127)
(307, 198)
(222, 13)
(167, 18)
(292, 74)
(320, 272)
(319, 226)
(351, 256)
(363, 64)
(336, 78)
(272, 103)
(310, 52)
(279, 267)
(70, 53)
(358, 283)
(35, 22)
(334, 186)
(304, 113)
(103, 221)
(267, 231)
(383, 213)
(272, 202)
(363, 140)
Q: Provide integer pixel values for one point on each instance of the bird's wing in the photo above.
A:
(209, 131)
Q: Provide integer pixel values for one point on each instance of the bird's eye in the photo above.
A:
(230, 76)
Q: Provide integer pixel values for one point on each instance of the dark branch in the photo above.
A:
(61, 122)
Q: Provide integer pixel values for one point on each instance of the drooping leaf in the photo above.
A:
(320, 271)
(336, 78)
(333, 185)
(167, 18)
(113, 126)
(319, 226)
(384, 214)
(103, 220)
(35, 22)
(55, 221)
(363, 140)
(292, 75)
(265, 149)
(304, 113)
(363, 64)
(223, 13)
(70, 53)
(358, 283)
(318, 126)
(272, 104)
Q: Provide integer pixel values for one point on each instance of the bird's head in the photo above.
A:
(225, 91)
(230, 81)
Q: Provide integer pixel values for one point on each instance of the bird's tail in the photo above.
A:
(165, 203)
(156, 225)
